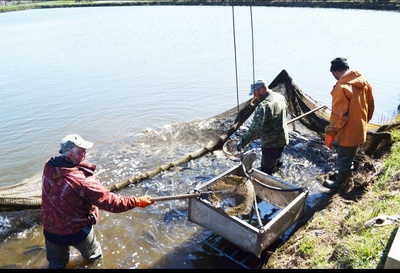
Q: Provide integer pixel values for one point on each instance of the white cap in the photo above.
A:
(74, 140)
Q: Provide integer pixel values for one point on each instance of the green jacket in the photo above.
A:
(269, 122)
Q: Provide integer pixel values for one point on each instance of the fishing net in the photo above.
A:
(233, 194)
(230, 150)
(165, 149)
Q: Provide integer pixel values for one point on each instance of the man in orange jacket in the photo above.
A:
(352, 108)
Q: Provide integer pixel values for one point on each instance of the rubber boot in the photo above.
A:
(342, 177)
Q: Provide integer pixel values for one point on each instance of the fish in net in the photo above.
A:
(233, 194)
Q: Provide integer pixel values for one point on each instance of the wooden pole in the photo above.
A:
(305, 114)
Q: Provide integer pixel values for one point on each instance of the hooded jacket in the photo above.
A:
(72, 197)
(352, 108)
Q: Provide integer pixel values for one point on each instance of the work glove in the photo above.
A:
(143, 201)
(239, 146)
(328, 141)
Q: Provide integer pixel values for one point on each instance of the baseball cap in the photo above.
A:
(74, 140)
(254, 86)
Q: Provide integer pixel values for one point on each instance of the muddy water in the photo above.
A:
(159, 236)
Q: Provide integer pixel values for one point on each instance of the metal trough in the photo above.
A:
(288, 200)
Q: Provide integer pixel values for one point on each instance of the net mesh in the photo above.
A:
(233, 194)
(210, 134)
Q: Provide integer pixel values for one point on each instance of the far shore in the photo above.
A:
(8, 6)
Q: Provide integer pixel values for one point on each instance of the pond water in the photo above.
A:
(112, 74)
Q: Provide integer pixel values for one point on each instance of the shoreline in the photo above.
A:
(376, 5)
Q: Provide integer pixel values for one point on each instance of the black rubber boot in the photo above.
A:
(342, 177)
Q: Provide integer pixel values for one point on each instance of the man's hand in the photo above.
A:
(328, 141)
(143, 201)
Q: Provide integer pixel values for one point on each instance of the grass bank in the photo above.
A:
(352, 229)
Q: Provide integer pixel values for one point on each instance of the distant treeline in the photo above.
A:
(362, 4)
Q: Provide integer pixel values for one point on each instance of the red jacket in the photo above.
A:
(352, 108)
(71, 192)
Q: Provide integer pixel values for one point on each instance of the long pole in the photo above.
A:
(305, 114)
(202, 195)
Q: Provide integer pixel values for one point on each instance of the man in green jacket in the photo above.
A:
(269, 124)
(352, 108)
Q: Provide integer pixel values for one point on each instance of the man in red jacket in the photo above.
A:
(71, 199)
(352, 108)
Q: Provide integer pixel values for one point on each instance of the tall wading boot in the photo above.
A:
(342, 177)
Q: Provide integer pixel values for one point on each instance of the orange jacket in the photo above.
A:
(352, 108)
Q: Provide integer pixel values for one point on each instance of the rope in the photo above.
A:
(252, 44)
(235, 53)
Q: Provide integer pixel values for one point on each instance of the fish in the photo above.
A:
(237, 197)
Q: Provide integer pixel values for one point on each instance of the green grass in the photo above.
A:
(335, 240)
(362, 247)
